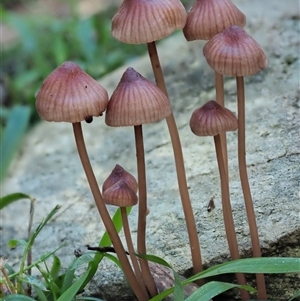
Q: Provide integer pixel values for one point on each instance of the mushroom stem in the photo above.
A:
(131, 251)
(141, 296)
(260, 279)
(227, 215)
(181, 177)
(141, 232)
(219, 82)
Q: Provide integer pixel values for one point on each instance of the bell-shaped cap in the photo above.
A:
(136, 101)
(208, 17)
(212, 119)
(71, 95)
(117, 174)
(233, 52)
(140, 21)
(120, 194)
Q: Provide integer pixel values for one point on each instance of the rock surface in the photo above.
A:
(48, 167)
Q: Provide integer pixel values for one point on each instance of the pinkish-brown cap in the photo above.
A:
(136, 101)
(120, 194)
(212, 119)
(140, 21)
(117, 174)
(208, 17)
(71, 95)
(233, 52)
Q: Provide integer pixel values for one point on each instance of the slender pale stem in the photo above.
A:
(105, 215)
(227, 214)
(141, 233)
(219, 81)
(260, 279)
(131, 251)
(181, 176)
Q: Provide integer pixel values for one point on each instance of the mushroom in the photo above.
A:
(204, 20)
(134, 102)
(138, 22)
(71, 95)
(210, 120)
(121, 195)
(233, 52)
(117, 174)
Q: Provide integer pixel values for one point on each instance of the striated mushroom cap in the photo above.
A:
(136, 101)
(120, 194)
(117, 174)
(212, 119)
(71, 95)
(233, 52)
(140, 21)
(208, 17)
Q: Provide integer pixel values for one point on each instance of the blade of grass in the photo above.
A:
(213, 289)
(74, 288)
(10, 198)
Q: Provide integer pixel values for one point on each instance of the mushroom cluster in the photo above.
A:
(69, 94)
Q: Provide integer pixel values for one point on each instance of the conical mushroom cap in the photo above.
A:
(117, 174)
(208, 17)
(233, 52)
(120, 194)
(140, 21)
(212, 119)
(71, 95)
(136, 101)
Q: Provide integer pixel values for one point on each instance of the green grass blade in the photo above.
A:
(71, 292)
(10, 198)
(264, 265)
(55, 268)
(12, 135)
(213, 289)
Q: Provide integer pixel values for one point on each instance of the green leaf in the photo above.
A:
(215, 288)
(17, 298)
(73, 290)
(56, 265)
(297, 294)
(10, 198)
(263, 265)
(12, 135)
(13, 243)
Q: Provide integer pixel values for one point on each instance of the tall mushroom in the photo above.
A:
(139, 22)
(204, 20)
(210, 120)
(69, 94)
(134, 102)
(233, 52)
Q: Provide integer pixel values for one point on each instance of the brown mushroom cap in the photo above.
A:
(208, 17)
(117, 174)
(233, 52)
(120, 194)
(212, 119)
(136, 101)
(71, 95)
(140, 21)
